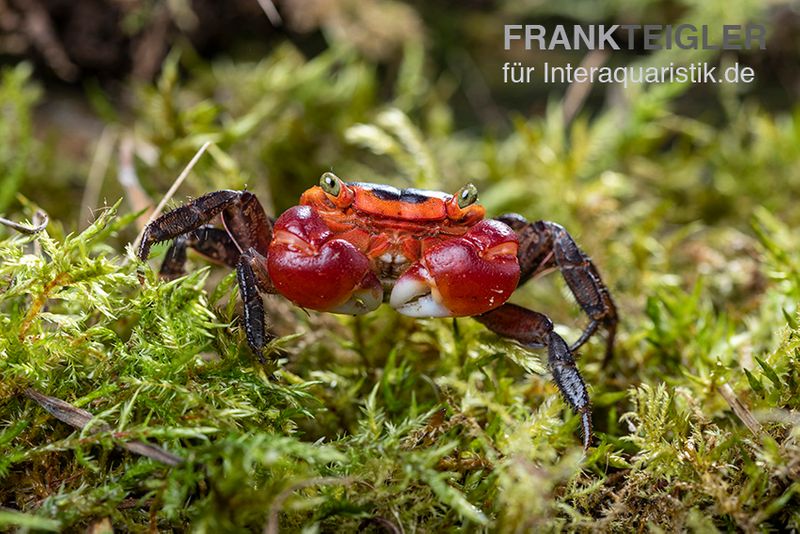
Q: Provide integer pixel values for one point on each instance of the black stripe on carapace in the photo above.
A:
(410, 195)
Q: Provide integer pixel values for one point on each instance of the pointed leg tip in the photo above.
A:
(586, 428)
(141, 276)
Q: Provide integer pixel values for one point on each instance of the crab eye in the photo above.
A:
(467, 195)
(331, 184)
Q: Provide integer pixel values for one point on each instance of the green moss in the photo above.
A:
(382, 420)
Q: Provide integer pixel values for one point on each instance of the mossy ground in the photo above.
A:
(381, 422)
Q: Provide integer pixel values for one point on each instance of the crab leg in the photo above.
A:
(242, 215)
(534, 330)
(247, 223)
(242, 244)
(185, 219)
(252, 277)
(209, 241)
(544, 246)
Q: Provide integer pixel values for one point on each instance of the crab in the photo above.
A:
(350, 246)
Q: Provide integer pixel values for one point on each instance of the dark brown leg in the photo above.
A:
(243, 245)
(213, 243)
(247, 223)
(534, 330)
(250, 273)
(243, 216)
(546, 246)
(186, 218)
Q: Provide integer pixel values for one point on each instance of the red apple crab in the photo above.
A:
(348, 247)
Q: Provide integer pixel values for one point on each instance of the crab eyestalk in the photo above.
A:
(465, 276)
(316, 271)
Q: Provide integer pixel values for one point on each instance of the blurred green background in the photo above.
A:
(684, 195)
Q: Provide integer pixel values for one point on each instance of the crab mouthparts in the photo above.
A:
(415, 295)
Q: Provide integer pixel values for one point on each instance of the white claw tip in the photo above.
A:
(413, 297)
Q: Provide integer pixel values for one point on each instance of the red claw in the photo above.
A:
(465, 276)
(317, 272)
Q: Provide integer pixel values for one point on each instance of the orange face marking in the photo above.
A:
(414, 207)
(384, 202)
(382, 220)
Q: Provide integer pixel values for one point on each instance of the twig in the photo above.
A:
(271, 12)
(277, 504)
(176, 184)
(578, 91)
(39, 221)
(149, 49)
(39, 28)
(126, 175)
(78, 418)
(101, 526)
(739, 409)
(97, 171)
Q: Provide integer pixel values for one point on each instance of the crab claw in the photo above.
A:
(314, 270)
(468, 275)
